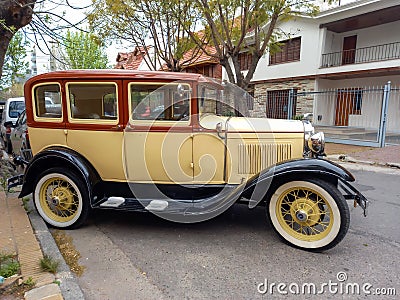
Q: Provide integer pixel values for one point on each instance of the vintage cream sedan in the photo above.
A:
(172, 144)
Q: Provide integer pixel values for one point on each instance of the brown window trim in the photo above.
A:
(245, 60)
(290, 52)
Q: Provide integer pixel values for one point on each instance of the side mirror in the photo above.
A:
(8, 124)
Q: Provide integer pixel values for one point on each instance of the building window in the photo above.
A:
(281, 104)
(206, 70)
(244, 60)
(290, 51)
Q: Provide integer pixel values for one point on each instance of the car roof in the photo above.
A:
(121, 74)
(16, 99)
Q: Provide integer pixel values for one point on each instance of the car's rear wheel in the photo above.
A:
(61, 198)
(309, 214)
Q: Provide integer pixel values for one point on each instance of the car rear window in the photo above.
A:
(47, 100)
(16, 108)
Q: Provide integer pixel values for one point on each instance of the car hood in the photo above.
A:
(242, 124)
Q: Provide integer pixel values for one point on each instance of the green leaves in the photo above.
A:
(84, 51)
(15, 64)
(155, 27)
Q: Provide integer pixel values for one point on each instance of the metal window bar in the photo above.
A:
(280, 104)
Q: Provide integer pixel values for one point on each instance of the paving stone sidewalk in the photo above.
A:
(18, 238)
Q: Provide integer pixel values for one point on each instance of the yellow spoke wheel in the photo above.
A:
(58, 199)
(309, 214)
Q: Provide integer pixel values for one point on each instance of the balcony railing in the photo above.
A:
(361, 55)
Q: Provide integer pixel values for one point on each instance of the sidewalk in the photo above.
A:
(18, 238)
(20, 234)
(388, 156)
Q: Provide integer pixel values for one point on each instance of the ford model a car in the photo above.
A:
(171, 144)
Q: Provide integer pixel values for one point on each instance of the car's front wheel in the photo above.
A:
(309, 214)
(61, 198)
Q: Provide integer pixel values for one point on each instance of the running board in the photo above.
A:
(113, 202)
(134, 204)
(157, 205)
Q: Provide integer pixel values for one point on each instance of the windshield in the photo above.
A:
(222, 99)
(16, 108)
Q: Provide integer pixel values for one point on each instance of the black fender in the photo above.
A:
(258, 186)
(59, 157)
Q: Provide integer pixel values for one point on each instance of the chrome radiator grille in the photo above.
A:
(255, 157)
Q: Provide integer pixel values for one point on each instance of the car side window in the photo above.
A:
(162, 102)
(93, 101)
(15, 108)
(47, 101)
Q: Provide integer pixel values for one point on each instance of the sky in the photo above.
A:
(75, 16)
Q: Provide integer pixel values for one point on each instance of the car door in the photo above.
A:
(95, 127)
(158, 139)
(46, 124)
(211, 160)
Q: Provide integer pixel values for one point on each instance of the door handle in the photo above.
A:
(117, 127)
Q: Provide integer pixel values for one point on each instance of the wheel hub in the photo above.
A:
(55, 201)
(62, 195)
(305, 211)
(301, 215)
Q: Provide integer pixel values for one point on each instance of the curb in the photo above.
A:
(349, 159)
(69, 286)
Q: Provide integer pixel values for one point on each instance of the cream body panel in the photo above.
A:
(103, 149)
(208, 158)
(42, 138)
(159, 157)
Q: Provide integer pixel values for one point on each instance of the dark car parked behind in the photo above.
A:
(20, 138)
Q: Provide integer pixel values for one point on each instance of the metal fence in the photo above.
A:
(367, 116)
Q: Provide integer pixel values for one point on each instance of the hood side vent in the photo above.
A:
(255, 157)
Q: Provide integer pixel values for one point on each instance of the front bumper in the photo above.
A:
(351, 193)
(15, 181)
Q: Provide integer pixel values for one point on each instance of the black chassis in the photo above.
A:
(188, 200)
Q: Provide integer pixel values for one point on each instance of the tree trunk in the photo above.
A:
(14, 14)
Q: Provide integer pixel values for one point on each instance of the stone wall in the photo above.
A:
(304, 104)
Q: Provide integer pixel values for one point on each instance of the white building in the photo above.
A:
(344, 49)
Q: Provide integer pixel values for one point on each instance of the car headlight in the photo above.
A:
(316, 143)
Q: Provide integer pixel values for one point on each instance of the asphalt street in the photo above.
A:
(238, 256)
